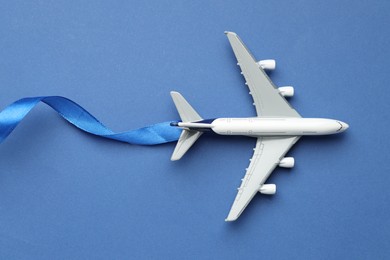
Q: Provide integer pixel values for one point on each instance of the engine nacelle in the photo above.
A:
(287, 91)
(269, 189)
(287, 162)
(267, 64)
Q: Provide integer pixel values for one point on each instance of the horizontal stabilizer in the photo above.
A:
(187, 139)
(186, 112)
(187, 115)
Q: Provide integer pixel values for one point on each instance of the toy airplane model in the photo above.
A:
(277, 128)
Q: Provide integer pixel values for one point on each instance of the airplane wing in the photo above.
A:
(267, 155)
(266, 97)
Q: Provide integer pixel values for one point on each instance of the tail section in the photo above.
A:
(186, 112)
(187, 137)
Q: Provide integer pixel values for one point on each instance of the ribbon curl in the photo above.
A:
(11, 116)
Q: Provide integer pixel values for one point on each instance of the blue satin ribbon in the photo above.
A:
(82, 119)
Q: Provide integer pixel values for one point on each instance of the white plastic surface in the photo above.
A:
(258, 126)
(277, 128)
(268, 189)
(286, 91)
(287, 162)
(267, 64)
(187, 114)
(266, 96)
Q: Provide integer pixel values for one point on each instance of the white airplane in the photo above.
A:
(277, 127)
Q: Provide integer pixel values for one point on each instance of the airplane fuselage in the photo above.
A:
(257, 126)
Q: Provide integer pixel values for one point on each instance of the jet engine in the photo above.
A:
(269, 189)
(267, 64)
(287, 162)
(287, 91)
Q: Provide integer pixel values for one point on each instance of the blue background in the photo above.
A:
(66, 194)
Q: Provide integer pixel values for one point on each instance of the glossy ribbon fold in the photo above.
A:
(73, 113)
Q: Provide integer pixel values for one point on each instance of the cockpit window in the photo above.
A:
(341, 126)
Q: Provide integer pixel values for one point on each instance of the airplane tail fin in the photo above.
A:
(187, 137)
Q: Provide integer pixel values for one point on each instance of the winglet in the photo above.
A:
(230, 219)
(233, 216)
(233, 33)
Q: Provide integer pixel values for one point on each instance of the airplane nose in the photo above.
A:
(344, 126)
